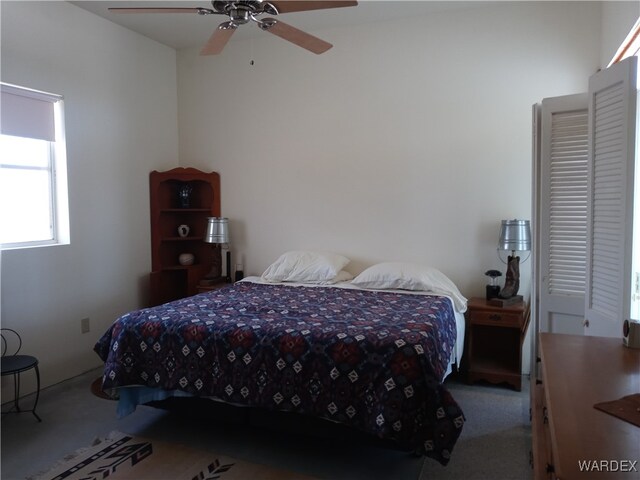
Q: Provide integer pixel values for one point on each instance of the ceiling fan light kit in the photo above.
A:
(241, 12)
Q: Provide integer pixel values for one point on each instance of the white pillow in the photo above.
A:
(410, 276)
(305, 267)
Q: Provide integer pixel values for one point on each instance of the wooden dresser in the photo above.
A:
(576, 373)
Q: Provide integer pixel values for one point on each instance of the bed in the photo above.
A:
(370, 358)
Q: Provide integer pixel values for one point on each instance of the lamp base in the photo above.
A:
(512, 278)
(215, 274)
(505, 302)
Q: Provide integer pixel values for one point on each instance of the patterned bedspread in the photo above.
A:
(370, 360)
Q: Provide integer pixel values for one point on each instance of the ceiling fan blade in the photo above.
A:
(287, 6)
(293, 35)
(154, 10)
(218, 39)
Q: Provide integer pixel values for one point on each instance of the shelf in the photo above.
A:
(182, 239)
(493, 366)
(169, 279)
(185, 210)
(171, 268)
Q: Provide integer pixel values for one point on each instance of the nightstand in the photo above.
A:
(494, 342)
(215, 286)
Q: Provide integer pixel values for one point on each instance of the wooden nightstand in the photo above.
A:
(494, 342)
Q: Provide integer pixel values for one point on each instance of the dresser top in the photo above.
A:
(578, 372)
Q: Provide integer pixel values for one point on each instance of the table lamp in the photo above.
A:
(217, 234)
(515, 235)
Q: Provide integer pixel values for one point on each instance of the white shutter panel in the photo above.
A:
(563, 213)
(568, 203)
(612, 115)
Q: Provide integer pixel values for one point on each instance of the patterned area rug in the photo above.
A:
(123, 456)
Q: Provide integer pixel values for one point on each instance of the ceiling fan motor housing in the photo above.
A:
(241, 11)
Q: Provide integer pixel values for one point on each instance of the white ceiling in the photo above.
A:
(186, 30)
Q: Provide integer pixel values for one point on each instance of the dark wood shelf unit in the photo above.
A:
(169, 279)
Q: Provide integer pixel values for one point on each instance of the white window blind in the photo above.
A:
(27, 113)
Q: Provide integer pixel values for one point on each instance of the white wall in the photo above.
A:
(409, 140)
(121, 110)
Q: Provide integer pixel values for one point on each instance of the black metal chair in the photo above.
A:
(16, 364)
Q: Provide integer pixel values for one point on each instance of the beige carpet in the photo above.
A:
(123, 456)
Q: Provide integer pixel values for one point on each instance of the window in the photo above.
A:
(630, 46)
(33, 177)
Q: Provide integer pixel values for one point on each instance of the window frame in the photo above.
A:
(58, 203)
(630, 47)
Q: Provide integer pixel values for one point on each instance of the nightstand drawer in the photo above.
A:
(496, 318)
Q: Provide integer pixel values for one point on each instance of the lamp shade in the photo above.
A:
(217, 230)
(515, 235)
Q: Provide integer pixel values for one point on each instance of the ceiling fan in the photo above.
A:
(241, 12)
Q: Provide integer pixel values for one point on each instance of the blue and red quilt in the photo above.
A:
(371, 360)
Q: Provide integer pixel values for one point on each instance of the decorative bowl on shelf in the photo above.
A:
(186, 259)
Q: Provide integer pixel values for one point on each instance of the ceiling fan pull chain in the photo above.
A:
(251, 62)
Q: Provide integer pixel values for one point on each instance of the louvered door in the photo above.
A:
(584, 206)
(612, 128)
(562, 214)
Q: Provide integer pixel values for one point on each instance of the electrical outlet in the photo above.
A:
(85, 326)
